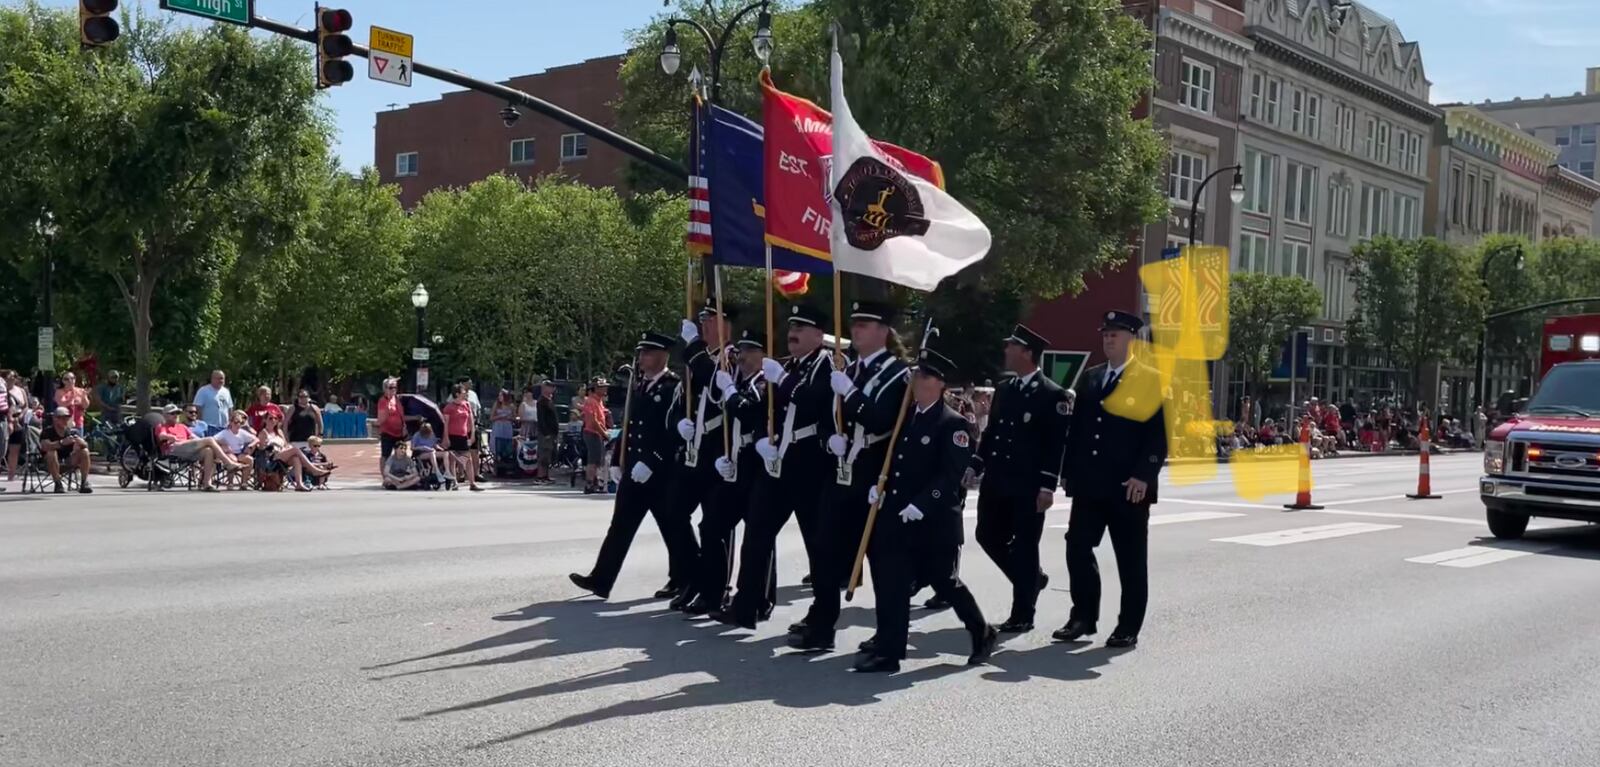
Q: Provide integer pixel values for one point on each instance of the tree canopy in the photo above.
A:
(1263, 309)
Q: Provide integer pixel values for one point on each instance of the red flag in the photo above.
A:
(797, 176)
(791, 284)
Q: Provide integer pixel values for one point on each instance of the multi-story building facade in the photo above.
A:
(460, 138)
(1568, 123)
(1335, 133)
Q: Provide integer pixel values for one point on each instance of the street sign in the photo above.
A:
(1170, 252)
(1064, 367)
(390, 58)
(47, 348)
(419, 353)
(230, 11)
(422, 378)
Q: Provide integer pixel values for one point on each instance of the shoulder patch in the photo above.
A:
(960, 438)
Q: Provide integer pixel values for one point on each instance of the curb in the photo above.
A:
(1354, 454)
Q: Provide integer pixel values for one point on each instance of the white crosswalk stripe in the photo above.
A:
(1477, 556)
(1306, 534)
(1179, 517)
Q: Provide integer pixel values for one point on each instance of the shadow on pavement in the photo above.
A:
(1578, 541)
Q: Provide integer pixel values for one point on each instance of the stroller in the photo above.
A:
(418, 410)
(141, 457)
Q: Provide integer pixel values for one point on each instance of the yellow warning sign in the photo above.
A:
(390, 41)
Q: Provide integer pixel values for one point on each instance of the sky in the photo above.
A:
(1471, 49)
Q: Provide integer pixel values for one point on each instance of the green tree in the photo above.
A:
(1263, 309)
(1567, 267)
(1418, 302)
(1026, 103)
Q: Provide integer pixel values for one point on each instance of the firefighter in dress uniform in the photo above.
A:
(868, 394)
(918, 533)
(698, 483)
(644, 474)
(1019, 457)
(744, 398)
(1115, 450)
(793, 465)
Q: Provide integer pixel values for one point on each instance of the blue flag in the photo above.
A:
(733, 176)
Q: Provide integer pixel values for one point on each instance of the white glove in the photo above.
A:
(725, 467)
(689, 332)
(724, 383)
(910, 513)
(686, 429)
(969, 480)
(773, 370)
(641, 473)
(616, 475)
(838, 445)
(767, 450)
(872, 495)
(841, 383)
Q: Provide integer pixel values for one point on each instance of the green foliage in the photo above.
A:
(1263, 309)
(1417, 302)
(1026, 103)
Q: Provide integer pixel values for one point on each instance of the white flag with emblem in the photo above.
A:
(888, 223)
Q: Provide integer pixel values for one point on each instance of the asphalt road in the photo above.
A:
(358, 627)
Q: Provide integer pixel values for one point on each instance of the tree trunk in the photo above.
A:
(143, 294)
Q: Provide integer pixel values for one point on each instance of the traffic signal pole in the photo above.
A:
(604, 135)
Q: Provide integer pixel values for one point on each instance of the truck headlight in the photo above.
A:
(1494, 456)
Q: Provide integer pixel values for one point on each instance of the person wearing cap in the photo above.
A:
(61, 443)
(706, 352)
(548, 429)
(918, 532)
(869, 393)
(1019, 458)
(176, 440)
(1115, 450)
(644, 475)
(744, 398)
(794, 460)
(596, 430)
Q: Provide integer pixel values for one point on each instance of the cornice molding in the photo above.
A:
(1273, 45)
(1201, 35)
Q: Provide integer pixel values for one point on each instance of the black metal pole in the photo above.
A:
(601, 133)
(416, 364)
(1194, 204)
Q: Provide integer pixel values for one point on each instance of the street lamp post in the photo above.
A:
(672, 57)
(46, 227)
(1236, 194)
(419, 354)
(1479, 376)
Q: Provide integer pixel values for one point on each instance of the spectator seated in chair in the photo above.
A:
(177, 442)
(399, 471)
(197, 426)
(425, 446)
(281, 456)
(240, 443)
(319, 460)
(62, 444)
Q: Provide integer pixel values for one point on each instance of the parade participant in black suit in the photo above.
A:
(918, 533)
(869, 393)
(793, 467)
(1115, 450)
(744, 395)
(706, 351)
(644, 473)
(1019, 457)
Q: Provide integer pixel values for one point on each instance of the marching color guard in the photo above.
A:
(698, 484)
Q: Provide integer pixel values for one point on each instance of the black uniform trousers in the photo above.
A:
(841, 519)
(794, 494)
(717, 537)
(696, 486)
(1009, 529)
(632, 503)
(898, 566)
(1129, 524)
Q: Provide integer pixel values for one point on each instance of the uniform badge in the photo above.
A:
(960, 438)
(936, 495)
(658, 399)
(1026, 417)
(926, 439)
(1061, 407)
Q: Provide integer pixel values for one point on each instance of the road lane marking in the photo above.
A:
(1477, 556)
(1177, 517)
(1335, 512)
(1306, 534)
(1377, 498)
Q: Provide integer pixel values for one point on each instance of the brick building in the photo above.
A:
(460, 138)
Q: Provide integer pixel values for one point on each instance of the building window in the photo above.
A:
(1254, 251)
(1344, 127)
(1472, 201)
(574, 146)
(1274, 91)
(1186, 172)
(1314, 116)
(1295, 259)
(1297, 110)
(1258, 175)
(521, 151)
(1383, 143)
(1486, 200)
(1563, 138)
(1338, 209)
(1198, 81)
(405, 164)
(1586, 135)
(1299, 193)
(1333, 293)
(1372, 137)
(1586, 168)
(1374, 206)
(1455, 196)
(1405, 224)
(1414, 153)
(1257, 90)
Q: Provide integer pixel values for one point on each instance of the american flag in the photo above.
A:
(699, 233)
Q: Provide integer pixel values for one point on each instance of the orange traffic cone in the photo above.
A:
(1424, 486)
(1302, 498)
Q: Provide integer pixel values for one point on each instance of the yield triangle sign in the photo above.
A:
(381, 62)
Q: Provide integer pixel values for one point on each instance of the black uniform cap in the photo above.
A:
(1122, 321)
(654, 342)
(935, 364)
(1024, 336)
(876, 311)
(751, 339)
(801, 314)
(710, 310)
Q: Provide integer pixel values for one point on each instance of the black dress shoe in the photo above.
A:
(681, 602)
(765, 614)
(798, 627)
(806, 581)
(873, 664)
(589, 584)
(983, 647)
(1015, 626)
(1044, 580)
(1122, 641)
(869, 645)
(1073, 631)
(668, 591)
(812, 642)
(698, 608)
(936, 602)
(730, 618)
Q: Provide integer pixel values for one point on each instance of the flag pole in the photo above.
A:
(771, 431)
(627, 413)
(883, 476)
(688, 314)
(838, 351)
(723, 363)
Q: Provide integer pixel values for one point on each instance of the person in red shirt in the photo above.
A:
(259, 409)
(391, 421)
(72, 397)
(458, 429)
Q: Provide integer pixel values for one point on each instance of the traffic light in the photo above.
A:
(332, 46)
(95, 25)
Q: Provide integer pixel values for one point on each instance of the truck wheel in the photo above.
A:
(1507, 525)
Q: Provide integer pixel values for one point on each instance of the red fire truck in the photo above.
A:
(1569, 339)
(1545, 461)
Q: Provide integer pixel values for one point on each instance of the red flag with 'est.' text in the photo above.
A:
(797, 177)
